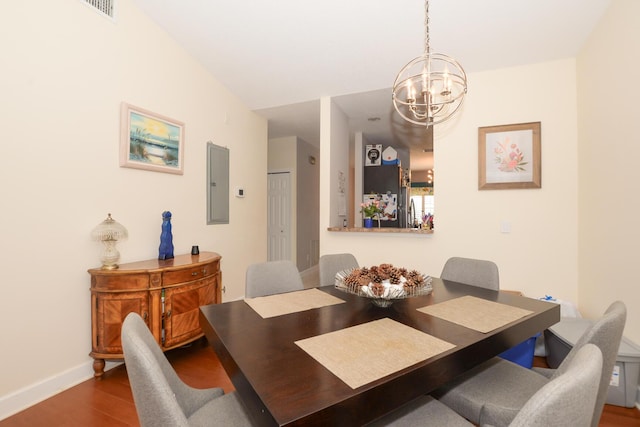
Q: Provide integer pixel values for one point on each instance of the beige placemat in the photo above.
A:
(476, 313)
(291, 302)
(364, 353)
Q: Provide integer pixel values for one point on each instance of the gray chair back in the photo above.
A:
(330, 264)
(566, 399)
(272, 277)
(160, 396)
(606, 334)
(473, 272)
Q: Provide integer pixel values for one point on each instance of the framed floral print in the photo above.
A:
(509, 156)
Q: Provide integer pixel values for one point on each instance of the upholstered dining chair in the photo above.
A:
(502, 387)
(160, 396)
(563, 401)
(272, 277)
(475, 272)
(330, 264)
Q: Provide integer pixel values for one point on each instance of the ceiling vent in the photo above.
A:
(105, 7)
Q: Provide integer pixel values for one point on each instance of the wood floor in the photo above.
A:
(109, 403)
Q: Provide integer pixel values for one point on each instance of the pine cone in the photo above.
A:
(384, 271)
(352, 280)
(364, 280)
(377, 289)
(395, 276)
(376, 278)
(418, 279)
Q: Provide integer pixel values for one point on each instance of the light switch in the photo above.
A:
(505, 227)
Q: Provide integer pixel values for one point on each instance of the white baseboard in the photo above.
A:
(23, 398)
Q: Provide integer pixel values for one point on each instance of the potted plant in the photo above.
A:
(370, 209)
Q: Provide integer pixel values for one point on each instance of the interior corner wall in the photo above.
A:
(308, 205)
(609, 173)
(334, 165)
(66, 70)
(355, 219)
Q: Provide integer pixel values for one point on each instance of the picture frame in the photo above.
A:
(373, 155)
(151, 141)
(509, 156)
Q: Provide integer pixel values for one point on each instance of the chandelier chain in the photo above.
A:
(426, 28)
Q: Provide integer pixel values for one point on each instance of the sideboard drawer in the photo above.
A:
(111, 282)
(188, 274)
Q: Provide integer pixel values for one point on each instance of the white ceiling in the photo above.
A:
(280, 56)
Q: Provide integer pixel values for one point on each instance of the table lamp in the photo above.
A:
(109, 232)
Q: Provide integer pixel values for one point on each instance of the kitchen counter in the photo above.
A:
(379, 230)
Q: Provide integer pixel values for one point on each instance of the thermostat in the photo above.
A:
(239, 192)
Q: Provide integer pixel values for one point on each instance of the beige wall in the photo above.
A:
(539, 256)
(65, 71)
(608, 152)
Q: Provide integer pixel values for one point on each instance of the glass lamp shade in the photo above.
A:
(109, 232)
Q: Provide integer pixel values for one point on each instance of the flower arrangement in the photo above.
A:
(370, 208)
(509, 157)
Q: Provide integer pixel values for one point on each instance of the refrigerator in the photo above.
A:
(385, 183)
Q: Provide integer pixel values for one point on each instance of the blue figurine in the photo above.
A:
(166, 238)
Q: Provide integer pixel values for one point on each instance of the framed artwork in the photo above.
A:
(150, 141)
(509, 156)
(373, 155)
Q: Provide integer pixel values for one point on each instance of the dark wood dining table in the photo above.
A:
(281, 385)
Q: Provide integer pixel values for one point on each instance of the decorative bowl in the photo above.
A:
(383, 294)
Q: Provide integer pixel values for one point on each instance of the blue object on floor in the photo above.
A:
(522, 354)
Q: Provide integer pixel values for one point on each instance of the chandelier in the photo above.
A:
(430, 88)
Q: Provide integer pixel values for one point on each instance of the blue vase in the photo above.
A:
(368, 222)
(166, 238)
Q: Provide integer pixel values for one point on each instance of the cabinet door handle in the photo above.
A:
(204, 271)
(145, 315)
(169, 313)
(194, 273)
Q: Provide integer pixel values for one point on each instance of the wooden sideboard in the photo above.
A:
(166, 293)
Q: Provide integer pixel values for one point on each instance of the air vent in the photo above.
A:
(105, 7)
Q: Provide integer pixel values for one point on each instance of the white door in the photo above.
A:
(279, 216)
